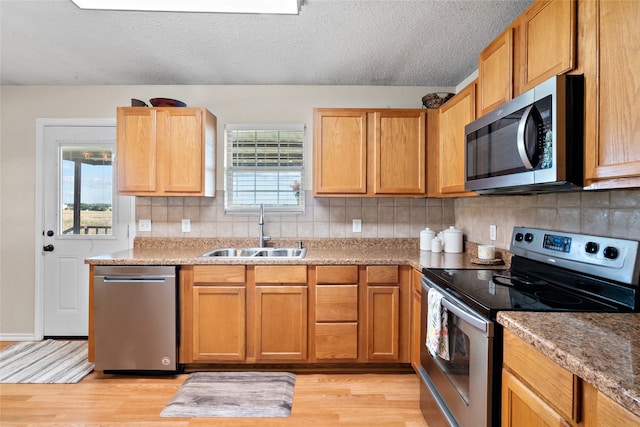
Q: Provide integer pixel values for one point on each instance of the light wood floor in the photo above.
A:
(321, 400)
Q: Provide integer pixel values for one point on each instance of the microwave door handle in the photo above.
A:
(522, 151)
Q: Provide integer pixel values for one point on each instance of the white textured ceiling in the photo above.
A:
(331, 42)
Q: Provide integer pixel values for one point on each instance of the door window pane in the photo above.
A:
(86, 196)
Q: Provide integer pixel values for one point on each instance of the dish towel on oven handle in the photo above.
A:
(437, 326)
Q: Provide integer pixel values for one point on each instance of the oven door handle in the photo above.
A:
(465, 316)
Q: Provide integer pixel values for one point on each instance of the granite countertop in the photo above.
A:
(601, 348)
(176, 251)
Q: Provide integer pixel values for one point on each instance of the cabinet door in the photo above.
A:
(340, 151)
(281, 323)
(181, 149)
(610, 414)
(609, 48)
(495, 73)
(455, 114)
(218, 323)
(383, 322)
(549, 32)
(522, 407)
(136, 150)
(399, 152)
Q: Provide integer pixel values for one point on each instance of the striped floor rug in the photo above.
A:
(44, 362)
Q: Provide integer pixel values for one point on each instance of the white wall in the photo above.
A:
(20, 106)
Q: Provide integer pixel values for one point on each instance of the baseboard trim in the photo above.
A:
(18, 337)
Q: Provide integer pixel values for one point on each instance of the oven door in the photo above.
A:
(462, 386)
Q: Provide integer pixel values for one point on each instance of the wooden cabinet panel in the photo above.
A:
(136, 150)
(368, 153)
(336, 341)
(455, 114)
(399, 153)
(609, 44)
(559, 387)
(495, 73)
(180, 139)
(219, 274)
(416, 318)
(336, 274)
(610, 414)
(337, 303)
(383, 322)
(218, 323)
(166, 151)
(276, 274)
(522, 407)
(382, 274)
(340, 151)
(281, 323)
(549, 32)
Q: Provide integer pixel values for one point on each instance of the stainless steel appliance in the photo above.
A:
(550, 271)
(135, 318)
(533, 143)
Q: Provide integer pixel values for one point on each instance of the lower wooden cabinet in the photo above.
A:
(281, 323)
(219, 323)
(416, 318)
(295, 314)
(215, 313)
(538, 392)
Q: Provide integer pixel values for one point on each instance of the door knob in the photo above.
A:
(48, 248)
(50, 233)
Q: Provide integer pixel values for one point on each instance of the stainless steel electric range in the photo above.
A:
(550, 271)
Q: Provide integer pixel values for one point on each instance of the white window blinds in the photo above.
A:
(264, 164)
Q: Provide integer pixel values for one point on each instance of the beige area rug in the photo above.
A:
(45, 362)
(233, 395)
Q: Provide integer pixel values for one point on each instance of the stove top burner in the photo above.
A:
(555, 297)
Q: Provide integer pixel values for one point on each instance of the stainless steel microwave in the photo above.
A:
(531, 144)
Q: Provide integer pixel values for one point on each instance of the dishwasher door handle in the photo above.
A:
(136, 279)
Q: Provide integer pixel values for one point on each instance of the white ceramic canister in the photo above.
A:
(436, 245)
(426, 236)
(452, 240)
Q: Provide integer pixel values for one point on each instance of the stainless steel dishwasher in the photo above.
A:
(135, 318)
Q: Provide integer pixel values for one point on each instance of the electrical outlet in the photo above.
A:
(144, 225)
(186, 226)
(493, 232)
(357, 226)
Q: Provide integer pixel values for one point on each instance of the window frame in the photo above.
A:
(229, 170)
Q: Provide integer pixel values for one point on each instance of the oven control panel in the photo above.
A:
(616, 259)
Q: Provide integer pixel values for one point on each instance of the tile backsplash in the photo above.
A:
(605, 213)
(323, 218)
(613, 213)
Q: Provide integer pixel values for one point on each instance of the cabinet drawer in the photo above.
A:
(549, 380)
(336, 274)
(224, 274)
(336, 303)
(383, 274)
(274, 274)
(336, 341)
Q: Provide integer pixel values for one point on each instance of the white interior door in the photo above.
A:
(82, 217)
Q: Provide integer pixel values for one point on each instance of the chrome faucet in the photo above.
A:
(263, 238)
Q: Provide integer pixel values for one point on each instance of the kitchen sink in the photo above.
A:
(296, 253)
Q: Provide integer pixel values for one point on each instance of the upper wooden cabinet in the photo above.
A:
(165, 151)
(454, 116)
(609, 44)
(538, 45)
(547, 42)
(369, 153)
(495, 72)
